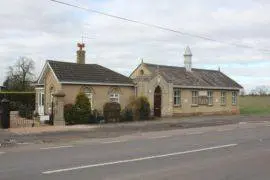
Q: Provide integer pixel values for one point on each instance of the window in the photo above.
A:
(223, 98)
(141, 72)
(51, 95)
(234, 97)
(195, 97)
(114, 97)
(88, 93)
(210, 97)
(177, 97)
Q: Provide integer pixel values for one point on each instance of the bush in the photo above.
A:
(25, 112)
(78, 113)
(140, 109)
(96, 117)
(69, 114)
(18, 98)
(83, 102)
(126, 115)
(14, 105)
(111, 111)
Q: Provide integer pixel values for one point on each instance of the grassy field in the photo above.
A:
(255, 105)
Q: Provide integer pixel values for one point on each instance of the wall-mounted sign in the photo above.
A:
(202, 93)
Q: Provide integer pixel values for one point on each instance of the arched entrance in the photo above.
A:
(157, 102)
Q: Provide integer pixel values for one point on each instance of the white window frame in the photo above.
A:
(210, 97)
(88, 93)
(195, 97)
(177, 97)
(234, 98)
(223, 98)
(115, 97)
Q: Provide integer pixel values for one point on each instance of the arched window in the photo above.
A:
(87, 91)
(141, 72)
(114, 94)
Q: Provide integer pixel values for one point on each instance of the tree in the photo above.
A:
(20, 76)
(261, 91)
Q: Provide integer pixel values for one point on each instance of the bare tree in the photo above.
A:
(261, 91)
(20, 76)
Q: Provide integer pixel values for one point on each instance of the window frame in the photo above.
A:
(177, 97)
(194, 98)
(210, 98)
(223, 99)
(114, 96)
(234, 98)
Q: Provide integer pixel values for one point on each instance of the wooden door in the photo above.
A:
(157, 102)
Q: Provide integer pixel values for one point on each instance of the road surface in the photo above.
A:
(221, 153)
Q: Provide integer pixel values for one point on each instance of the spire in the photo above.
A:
(188, 59)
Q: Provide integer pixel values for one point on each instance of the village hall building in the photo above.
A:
(171, 90)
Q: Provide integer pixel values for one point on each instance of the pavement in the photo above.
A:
(51, 134)
(233, 151)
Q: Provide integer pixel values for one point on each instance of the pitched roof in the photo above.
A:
(196, 78)
(67, 72)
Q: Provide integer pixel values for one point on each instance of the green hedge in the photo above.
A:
(19, 98)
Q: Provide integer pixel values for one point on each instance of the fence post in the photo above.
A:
(5, 114)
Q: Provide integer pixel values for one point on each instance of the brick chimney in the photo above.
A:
(81, 54)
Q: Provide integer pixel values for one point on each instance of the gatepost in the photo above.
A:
(5, 114)
(59, 109)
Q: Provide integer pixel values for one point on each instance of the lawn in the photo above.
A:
(255, 105)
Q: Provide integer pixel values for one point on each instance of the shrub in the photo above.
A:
(140, 108)
(25, 112)
(111, 111)
(144, 108)
(96, 117)
(126, 115)
(83, 102)
(14, 105)
(78, 113)
(69, 114)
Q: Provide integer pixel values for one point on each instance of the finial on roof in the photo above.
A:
(188, 59)
(142, 60)
(219, 68)
(187, 51)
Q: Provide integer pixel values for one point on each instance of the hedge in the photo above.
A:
(19, 98)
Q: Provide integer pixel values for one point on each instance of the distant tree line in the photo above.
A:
(260, 91)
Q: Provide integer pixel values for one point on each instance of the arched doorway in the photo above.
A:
(157, 102)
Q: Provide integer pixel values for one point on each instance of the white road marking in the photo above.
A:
(56, 147)
(191, 133)
(137, 159)
(110, 142)
(159, 137)
(25, 143)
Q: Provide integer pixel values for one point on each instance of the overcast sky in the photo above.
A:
(41, 30)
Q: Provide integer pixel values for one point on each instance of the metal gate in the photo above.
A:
(4, 114)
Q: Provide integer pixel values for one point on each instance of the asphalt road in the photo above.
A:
(222, 153)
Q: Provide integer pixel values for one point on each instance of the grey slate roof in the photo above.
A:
(196, 78)
(86, 73)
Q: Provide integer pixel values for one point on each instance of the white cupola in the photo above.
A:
(188, 59)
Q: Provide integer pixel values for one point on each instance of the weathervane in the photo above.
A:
(81, 46)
